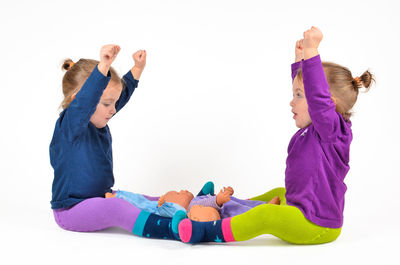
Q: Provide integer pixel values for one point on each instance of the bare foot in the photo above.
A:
(109, 195)
(275, 200)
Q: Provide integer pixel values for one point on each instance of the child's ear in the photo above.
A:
(334, 100)
(73, 96)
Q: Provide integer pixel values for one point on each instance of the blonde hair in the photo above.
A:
(343, 87)
(76, 75)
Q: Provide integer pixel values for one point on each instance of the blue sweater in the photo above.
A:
(80, 153)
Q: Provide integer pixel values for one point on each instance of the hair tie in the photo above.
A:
(71, 64)
(358, 81)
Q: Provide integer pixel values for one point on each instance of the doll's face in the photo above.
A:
(183, 198)
(202, 213)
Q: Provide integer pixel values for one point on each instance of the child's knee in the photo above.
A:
(281, 191)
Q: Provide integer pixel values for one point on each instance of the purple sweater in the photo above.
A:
(318, 155)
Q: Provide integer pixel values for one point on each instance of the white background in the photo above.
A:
(212, 104)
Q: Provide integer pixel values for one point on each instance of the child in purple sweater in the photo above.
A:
(311, 209)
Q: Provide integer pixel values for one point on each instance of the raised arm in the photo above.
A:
(321, 107)
(131, 79)
(77, 116)
(298, 59)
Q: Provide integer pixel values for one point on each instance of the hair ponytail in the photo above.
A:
(366, 80)
(68, 63)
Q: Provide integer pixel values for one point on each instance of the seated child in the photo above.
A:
(204, 207)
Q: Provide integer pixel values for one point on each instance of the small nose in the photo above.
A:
(292, 103)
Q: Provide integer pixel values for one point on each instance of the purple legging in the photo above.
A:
(97, 214)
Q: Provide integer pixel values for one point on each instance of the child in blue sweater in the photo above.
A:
(81, 149)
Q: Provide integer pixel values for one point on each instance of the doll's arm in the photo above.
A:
(207, 201)
(161, 200)
(224, 196)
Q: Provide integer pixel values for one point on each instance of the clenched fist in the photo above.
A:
(140, 62)
(312, 38)
(140, 59)
(108, 53)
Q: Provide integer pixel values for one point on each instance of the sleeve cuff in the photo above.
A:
(296, 65)
(130, 77)
(97, 72)
(313, 60)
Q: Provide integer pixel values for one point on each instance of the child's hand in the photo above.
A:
(224, 196)
(299, 51)
(108, 53)
(312, 38)
(140, 62)
(140, 59)
(229, 189)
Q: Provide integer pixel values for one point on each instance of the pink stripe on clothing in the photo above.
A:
(227, 230)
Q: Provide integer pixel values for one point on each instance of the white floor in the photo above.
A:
(32, 236)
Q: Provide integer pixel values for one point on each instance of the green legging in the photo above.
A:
(283, 221)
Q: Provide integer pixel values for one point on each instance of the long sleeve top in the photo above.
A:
(80, 153)
(318, 155)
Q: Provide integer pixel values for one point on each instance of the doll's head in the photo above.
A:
(183, 198)
(202, 213)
